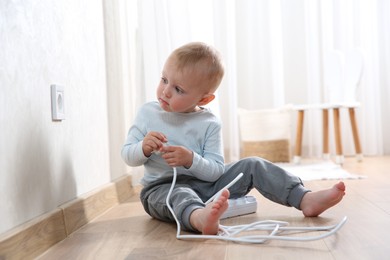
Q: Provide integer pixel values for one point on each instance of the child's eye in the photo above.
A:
(179, 90)
(164, 80)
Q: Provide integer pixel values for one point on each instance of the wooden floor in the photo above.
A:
(127, 232)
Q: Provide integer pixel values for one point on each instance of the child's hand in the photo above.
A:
(153, 141)
(177, 156)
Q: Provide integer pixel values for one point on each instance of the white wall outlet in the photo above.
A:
(57, 103)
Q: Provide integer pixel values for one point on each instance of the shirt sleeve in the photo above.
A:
(132, 152)
(209, 166)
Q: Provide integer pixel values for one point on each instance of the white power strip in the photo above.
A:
(241, 206)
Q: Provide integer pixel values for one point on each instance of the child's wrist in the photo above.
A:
(190, 161)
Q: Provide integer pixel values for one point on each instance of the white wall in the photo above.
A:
(44, 163)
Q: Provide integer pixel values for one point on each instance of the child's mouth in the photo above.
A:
(163, 102)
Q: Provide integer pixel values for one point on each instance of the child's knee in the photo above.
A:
(253, 162)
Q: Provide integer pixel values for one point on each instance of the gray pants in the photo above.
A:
(190, 193)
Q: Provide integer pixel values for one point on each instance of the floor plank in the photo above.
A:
(127, 232)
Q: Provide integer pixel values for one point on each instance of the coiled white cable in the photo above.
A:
(231, 233)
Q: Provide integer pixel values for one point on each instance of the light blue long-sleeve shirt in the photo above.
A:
(198, 131)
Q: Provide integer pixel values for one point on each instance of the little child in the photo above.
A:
(178, 131)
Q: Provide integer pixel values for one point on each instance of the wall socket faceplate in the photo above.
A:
(57, 102)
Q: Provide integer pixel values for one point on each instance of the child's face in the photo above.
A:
(180, 90)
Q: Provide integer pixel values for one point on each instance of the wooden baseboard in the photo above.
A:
(36, 236)
(33, 238)
(79, 212)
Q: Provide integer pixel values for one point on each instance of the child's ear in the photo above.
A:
(206, 99)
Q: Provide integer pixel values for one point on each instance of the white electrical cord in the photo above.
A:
(231, 233)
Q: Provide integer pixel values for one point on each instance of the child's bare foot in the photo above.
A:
(206, 220)
(314, 203)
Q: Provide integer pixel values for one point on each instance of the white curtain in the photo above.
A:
(273, 51)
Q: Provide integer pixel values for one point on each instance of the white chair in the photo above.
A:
(341, 79)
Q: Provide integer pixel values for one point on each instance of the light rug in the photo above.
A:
(327, 170)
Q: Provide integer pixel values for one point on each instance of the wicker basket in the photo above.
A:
(266, 133)
(274, 151)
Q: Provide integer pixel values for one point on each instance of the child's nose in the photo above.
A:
(167, 92)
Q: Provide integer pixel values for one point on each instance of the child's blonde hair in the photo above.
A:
(203, 59)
